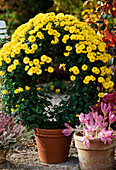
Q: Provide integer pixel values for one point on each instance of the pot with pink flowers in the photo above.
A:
(97, 141)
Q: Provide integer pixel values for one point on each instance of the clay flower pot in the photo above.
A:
(99, 156)
(53, 146)
(2, 156)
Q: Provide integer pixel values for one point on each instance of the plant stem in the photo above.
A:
(83, 130)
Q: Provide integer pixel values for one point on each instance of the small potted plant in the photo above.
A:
(45, 53)
(96, 142)
(11, 134)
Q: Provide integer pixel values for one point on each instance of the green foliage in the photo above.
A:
(69, 7)
(18, 12)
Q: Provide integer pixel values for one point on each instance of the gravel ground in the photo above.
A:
(26, 158)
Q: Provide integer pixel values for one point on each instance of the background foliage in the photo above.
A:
(17, 12)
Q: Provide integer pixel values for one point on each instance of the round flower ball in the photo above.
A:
(49, 49)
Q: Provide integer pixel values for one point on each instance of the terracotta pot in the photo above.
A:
(53, 146)
(99, 156)
(2, 156)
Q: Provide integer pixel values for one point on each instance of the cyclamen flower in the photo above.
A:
(106, 135)
(92, 126)
(103, 125)
(98, 118)
(87, 137)
(67, 131)
(105, 109)
(82, 118)
(112, 118)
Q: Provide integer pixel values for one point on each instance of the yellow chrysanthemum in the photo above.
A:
(35, 61)
(84, 67)
(72, 78)
(48, 60)
(68, 48)
(50, 69)
(31, 38)
(10, 68)
(52, 87)
(16, 62)
(2, 73)
(34, 46)
(43, 58)
(16, 91)
(4, 91)
(57, 90)
(100, 94)
(12, 110)
(27, 87)
(101, 79)
(20, 89)
(26, 68)
(26, 60)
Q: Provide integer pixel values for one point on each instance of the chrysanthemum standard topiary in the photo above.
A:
(48, 51)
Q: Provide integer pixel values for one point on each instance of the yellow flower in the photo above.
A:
(95, 70)
(43, 58)
(101, 80)
(27, 51)
(12, 54)
(72, 29)
(85, 81)
(57, 90)
(26, 68)
(27, 88)
(17, 51)
(72, 78)
(52, 87)
(111, 83)
(92, 78)
(24, 46)
(34, 46)
(48, 60)
(30, 63)
(93, 46)
(106, 85)
(16, 91)
(68, 48)
(84, 67)
(38, 72)
(4, 91)
(16, 62)
(89, 49)
(32, 51)
(50, 69)
(12, 110)
(10, 68)
(87, 78)
(31, 38)
(82, 46)
(20, 89)
(66, 54)
(100, 94)
(0, 63)
(77, 115)
(26, 60)
(92, 59)
(36, 61)
(8, 60)
(38, 88)
(75, 70)
(2, 73)
(22, 99)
